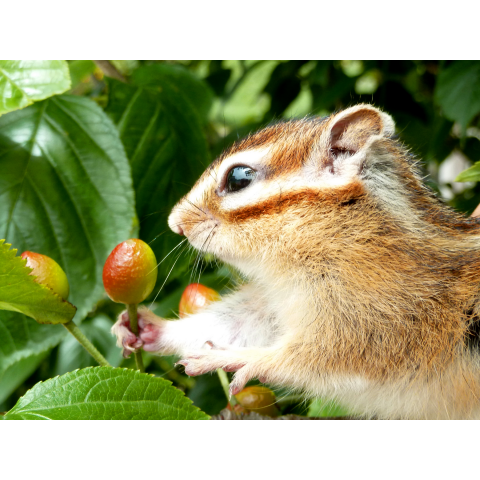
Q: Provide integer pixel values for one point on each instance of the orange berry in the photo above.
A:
(195, 297)
(130, 272)
(48, 272)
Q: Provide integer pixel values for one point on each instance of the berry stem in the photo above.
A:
(132, 315)
(225, 385)
(86, 343)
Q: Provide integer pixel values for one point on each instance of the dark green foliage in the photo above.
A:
(458, 91)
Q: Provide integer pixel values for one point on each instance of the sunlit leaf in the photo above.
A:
(105, 393)
(471, 174)
(23, 82)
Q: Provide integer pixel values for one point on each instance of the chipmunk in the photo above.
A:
(363, 287)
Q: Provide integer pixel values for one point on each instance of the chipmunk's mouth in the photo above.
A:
(202, 236)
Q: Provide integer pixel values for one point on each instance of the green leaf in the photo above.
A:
(80, 70)
(66, 189)
(23, 82)
(18, 372)
(248, 102)
(471, 174)
(19, 292)
(458, 91)
(208, 394)
(105, 393)
(23, 345)
(164, 139)
(125, 67)
(66, 192)
(180, 81)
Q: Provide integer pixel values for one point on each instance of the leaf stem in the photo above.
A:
(132, 315)
(226, 386)
(86, 343)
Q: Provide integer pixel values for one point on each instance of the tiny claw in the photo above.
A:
(208, 345)
(232, 368)
(126, 353)
(234, 389)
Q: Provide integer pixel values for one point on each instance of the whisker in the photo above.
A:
(162, 233)
(165, 281)
(185, 223)
(196, 206)
(162, 210)
(173, 249)
(195, 264)
(200, 256)
(159, 235)
(210, 173)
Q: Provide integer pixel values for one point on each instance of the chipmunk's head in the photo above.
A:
(272, 191)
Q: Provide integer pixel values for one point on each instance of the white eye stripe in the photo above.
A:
(263, 190)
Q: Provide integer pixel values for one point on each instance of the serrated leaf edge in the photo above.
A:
(137, 372)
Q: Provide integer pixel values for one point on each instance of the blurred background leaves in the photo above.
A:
(109, 160)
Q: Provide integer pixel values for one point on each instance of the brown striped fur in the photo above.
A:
(379, 279)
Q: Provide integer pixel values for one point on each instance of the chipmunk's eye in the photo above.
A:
(239, 177)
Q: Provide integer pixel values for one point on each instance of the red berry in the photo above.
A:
(48, 272)
(130, 272)
(195, 297)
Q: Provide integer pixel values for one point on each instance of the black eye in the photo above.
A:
(239, 177)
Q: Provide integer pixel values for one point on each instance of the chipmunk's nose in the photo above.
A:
(175, 221)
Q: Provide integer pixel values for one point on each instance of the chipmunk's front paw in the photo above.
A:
(206, 361)
(246, 365)
(243, 376)
(149, 332)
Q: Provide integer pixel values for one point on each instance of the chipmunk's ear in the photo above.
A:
(350, 130)
(347, 137)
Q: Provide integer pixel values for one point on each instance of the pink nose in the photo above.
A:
(178, 230)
